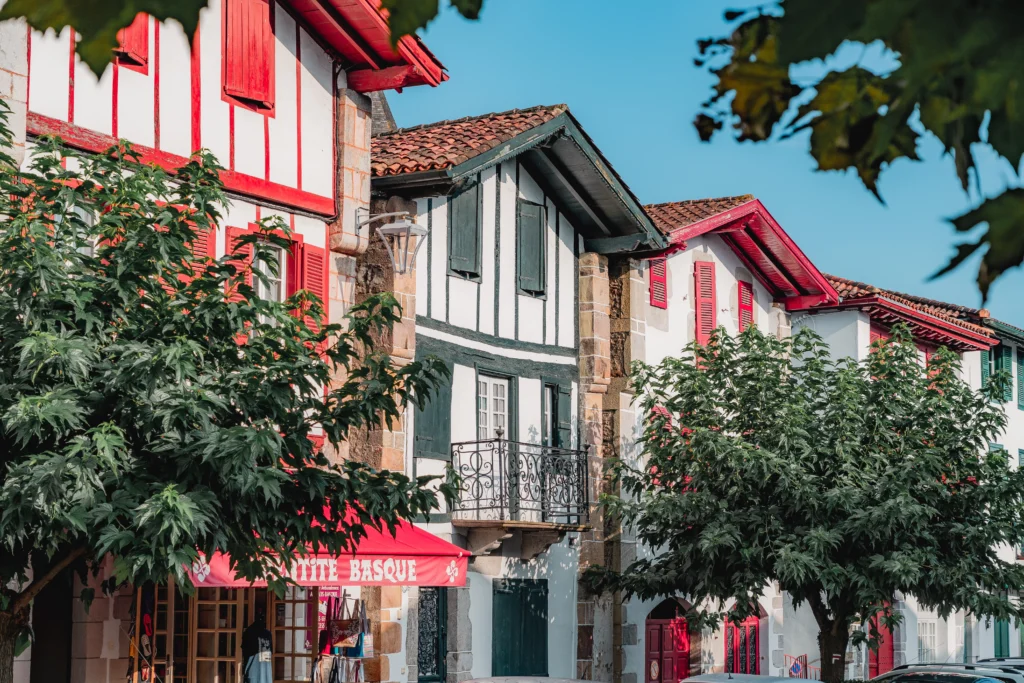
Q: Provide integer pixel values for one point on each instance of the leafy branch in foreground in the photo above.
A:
(946, 68)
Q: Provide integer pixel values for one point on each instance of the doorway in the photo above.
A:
(667, 643)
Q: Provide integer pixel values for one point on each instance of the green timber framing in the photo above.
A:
(555, 153)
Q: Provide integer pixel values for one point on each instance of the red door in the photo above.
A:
(741, 647)
(668, 650)
(881, 661)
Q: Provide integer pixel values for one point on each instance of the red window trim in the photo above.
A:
(658, 269)
(704, 306)
(133, 45)
(268, 108)
(748, 288)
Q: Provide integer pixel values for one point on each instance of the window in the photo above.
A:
(132, 49)
(556, 415)
(550, 401)
(1020, 377)
(745, 304)
(271, 287)
(520, 627)
(295, 632)
(432, 635)
(492, 408)
(927, 650)
(659, 282)
(704, 300)
(531, 261)
(248, 54)
(1003, 360)
(464, 238)
(1002, 638)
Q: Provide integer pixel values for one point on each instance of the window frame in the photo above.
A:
(264, 107)
(934, 636)
(542, 291)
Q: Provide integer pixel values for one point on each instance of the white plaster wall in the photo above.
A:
(93, 100)
(670, 329)
(847, 333)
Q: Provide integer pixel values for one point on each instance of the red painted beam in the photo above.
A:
(249, 186)
(372, 80)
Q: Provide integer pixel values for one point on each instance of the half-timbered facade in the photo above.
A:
(520, 210)
(278, 91)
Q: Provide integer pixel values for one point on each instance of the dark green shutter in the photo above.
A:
(986, 370)
(519, 627)
(1004, 361)
(530, 259)
(1020, 377)
(464, 231)
(433, 426)
(1002, 637)
(563, 438)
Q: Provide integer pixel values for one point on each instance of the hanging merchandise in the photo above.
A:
(345, 627)
(130, 673)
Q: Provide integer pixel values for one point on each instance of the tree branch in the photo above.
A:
(26, 597)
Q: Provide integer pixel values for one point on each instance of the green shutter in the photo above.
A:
(1020, 377)
(564, 437)
(1004, 361)
(464, 231)
(433, 425)
(519, 627)
(986, 369)
(1002, 638)
(530, 257)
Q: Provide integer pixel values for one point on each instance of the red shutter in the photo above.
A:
(133, 41)
(249, 52)
(314, 277)
(878, 333)
(704, 300)
(659, 283)
(203, 248)
(245, 263)
(746, 305)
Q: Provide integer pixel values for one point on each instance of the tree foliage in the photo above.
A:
(947, 68)
(98, 21)
(765, 460)
(151, 407)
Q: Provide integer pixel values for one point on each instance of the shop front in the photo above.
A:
(203, 637)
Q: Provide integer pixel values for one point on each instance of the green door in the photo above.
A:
(1002, 634)
(520, 628)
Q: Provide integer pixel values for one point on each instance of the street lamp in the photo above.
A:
(397, 237)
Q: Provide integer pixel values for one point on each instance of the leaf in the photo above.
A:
(97, 23)
(23, 640)
(813, 29)
(468, 8)
(405, 17)
(1005, 237)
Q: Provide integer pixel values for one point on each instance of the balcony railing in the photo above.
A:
(511, 481)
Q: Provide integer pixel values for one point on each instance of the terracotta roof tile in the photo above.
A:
(673, 215)
(962, 316)
(441, 145)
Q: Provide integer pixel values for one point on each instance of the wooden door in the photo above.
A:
(881, 661)
(668, 650)
(741, 647)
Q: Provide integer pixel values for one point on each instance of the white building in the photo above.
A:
(279, 91)
(520, 209)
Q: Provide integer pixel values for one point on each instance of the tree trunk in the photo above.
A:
(8, 636)
(832, 648)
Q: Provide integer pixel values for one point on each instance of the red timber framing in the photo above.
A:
(767, 251)
(133, 44)
(246, 185)
(358, 31)
(927, 329)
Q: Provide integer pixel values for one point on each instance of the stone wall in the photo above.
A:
(14, 80)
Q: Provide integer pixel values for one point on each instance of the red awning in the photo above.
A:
(412, 557)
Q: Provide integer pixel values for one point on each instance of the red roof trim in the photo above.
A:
(359, 31)
(785, 270)
(924, 326)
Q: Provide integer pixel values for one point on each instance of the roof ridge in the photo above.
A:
(747, 196)
(422, 126)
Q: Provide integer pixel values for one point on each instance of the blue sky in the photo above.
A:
(626, 71)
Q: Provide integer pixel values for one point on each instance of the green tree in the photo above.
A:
(845, 483)
(948, 68)
(152, 407)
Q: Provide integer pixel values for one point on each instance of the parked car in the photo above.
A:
(951, 672)
(736, 678)
(1015, 662)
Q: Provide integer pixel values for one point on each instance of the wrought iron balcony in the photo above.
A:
(511, 481)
